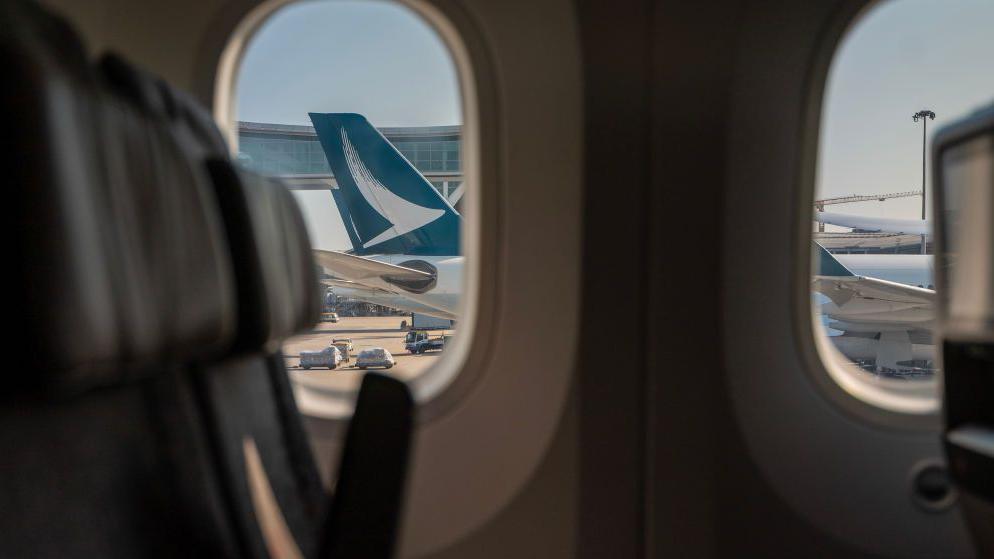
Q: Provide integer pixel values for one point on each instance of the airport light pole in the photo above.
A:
(924, 115)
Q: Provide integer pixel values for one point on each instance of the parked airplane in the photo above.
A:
(405, 236)
(879, 304)
(875, 224)
(868, 303)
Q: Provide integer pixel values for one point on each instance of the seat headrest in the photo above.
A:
(186, 116)
(169, 236)
(278, 289)
(122, 253)
(276, 278)
(53, 166)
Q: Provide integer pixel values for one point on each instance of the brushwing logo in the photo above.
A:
(404, 216)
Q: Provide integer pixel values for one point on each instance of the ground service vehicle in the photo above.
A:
(346, 350)
(414, 336)
(182, 178)
(433, 343)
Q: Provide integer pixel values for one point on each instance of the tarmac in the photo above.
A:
(365, 333)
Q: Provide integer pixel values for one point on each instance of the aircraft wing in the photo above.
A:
(358, 268)
(843, 289)
(340, 283)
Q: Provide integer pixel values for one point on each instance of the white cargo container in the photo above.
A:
(425, 322)
(328, 357)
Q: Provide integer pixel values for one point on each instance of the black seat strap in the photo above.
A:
(365, 511)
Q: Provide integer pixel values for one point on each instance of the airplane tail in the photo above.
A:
(829, 265)
(388, 207)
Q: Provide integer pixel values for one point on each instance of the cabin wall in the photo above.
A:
(168, 37)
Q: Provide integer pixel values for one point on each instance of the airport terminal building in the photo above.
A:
(293, 153)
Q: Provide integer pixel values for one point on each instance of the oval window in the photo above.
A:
(903, 69)
(356, 107)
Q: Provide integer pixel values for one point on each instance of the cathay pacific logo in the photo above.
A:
(404, 216)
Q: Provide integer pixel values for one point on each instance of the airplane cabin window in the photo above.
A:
(356, 106)
(904, 68)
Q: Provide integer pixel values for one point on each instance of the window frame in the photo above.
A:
(878, 403)
(465, 439)
(436, 388)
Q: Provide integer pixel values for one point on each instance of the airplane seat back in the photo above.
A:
(192, 124)
(98, 215)
(105, 453)
(247, 398)
(146, 380)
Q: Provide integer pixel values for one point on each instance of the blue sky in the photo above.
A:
(900, 57)
(365, 56)
(371, 57)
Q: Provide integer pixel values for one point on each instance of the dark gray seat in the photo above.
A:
(246, 397)
(142, 364)
(124, 280)
(148, 410)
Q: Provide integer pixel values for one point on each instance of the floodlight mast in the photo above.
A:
(925, 115)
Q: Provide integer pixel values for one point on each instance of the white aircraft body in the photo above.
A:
(875, 224)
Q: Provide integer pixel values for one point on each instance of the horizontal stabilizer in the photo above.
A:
(358, 268)
(842, 289)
